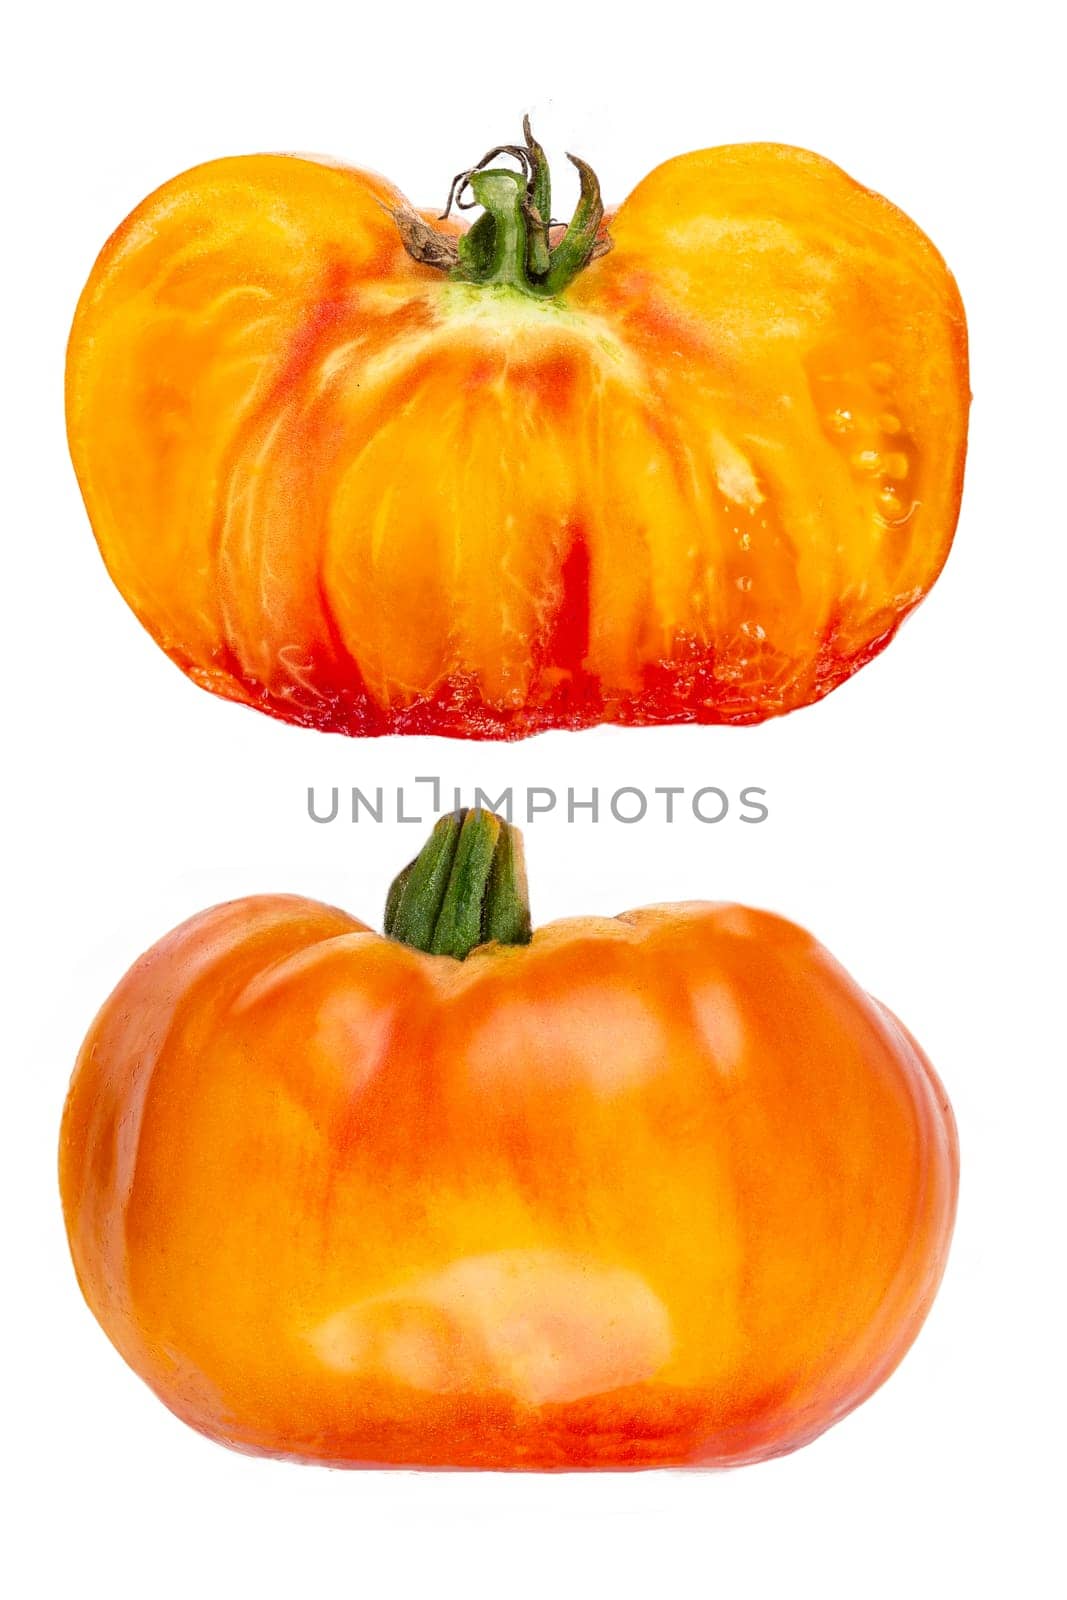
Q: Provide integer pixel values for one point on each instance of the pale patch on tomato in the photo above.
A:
(545, 1326)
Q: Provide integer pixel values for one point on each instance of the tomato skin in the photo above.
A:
(661, 1190)
(706, 483)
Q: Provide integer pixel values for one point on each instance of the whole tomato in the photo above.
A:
(667, 1189)
(376, 475)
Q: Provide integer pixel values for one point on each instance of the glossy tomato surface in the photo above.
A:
(661, 1190)
(705, 482)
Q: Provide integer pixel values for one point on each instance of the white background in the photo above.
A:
(915, 815)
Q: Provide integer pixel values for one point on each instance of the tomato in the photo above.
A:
(520, 483)
(666, 1189)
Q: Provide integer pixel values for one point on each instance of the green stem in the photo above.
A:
(497, 253)
(467, 887)
(510, 244)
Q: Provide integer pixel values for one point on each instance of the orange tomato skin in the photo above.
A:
(662, 1190)
(705, 483)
